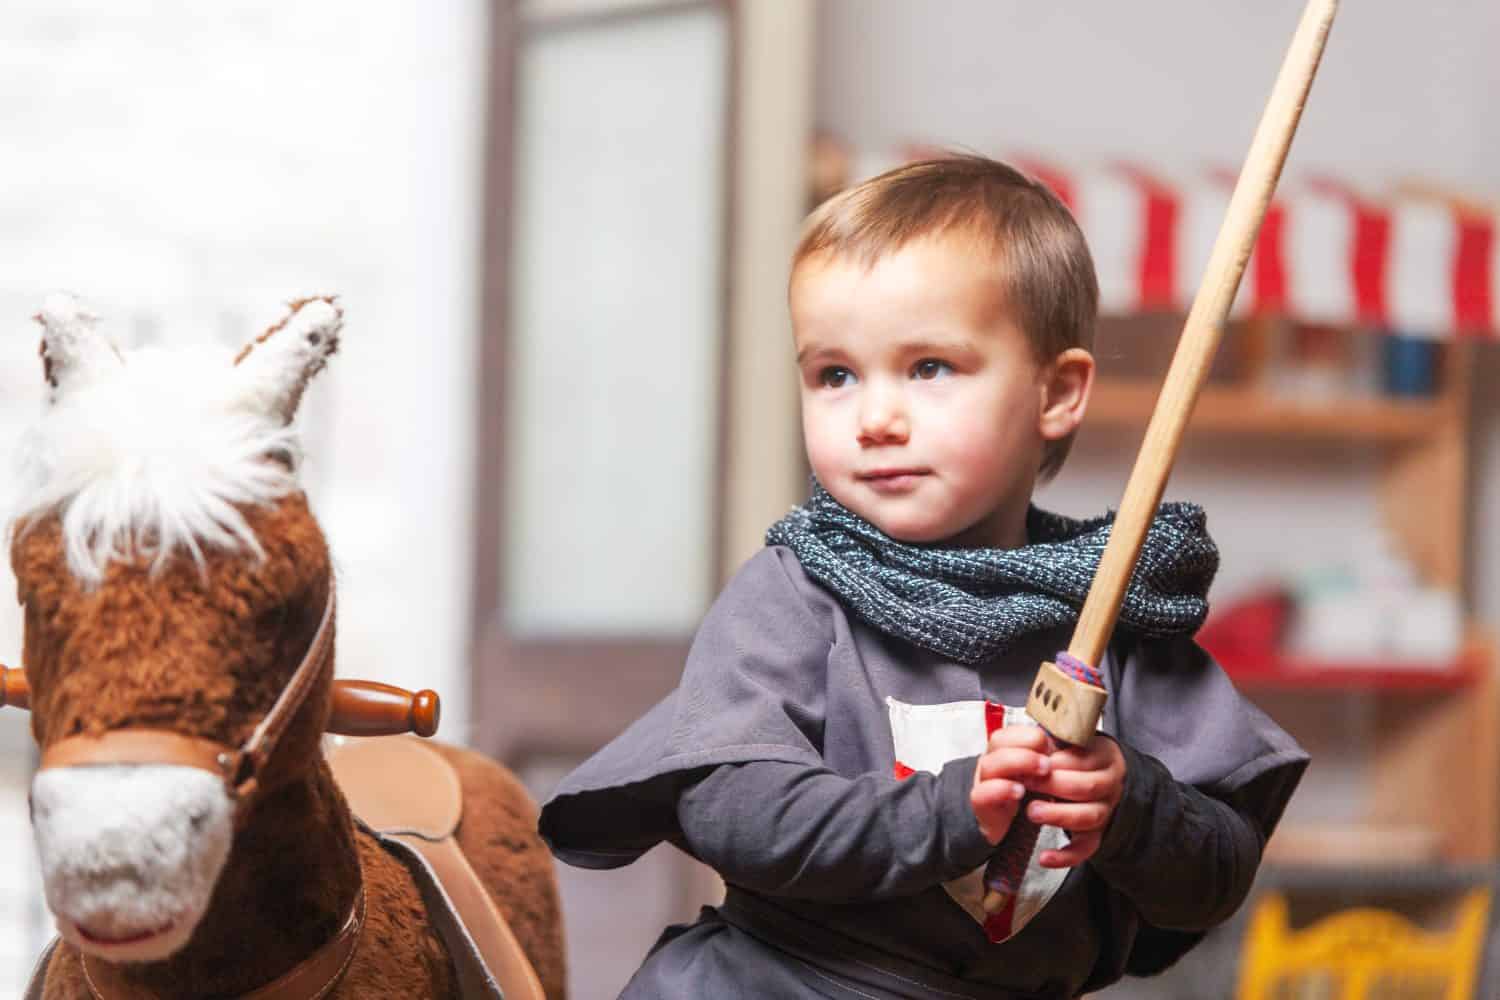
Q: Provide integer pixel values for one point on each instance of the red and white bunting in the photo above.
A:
(1326, 254)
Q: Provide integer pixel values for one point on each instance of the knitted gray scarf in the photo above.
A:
(969, 604)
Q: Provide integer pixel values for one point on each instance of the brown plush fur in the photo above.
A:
(205, 653)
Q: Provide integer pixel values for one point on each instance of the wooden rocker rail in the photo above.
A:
(360, 708)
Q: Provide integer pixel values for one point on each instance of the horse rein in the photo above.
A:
(238, 767)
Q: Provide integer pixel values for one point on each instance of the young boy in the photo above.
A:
(844, 748)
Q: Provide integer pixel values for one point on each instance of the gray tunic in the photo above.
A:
(773, 763)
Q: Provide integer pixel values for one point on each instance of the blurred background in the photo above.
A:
(565, 408)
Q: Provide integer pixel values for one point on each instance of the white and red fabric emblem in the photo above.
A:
(929, 736)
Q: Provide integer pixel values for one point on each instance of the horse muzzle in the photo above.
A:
(130, 853)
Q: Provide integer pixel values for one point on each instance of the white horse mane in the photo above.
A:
(150, 452)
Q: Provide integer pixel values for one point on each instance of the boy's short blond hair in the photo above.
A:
(1046, 272)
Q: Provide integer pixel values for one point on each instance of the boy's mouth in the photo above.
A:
(894, 480)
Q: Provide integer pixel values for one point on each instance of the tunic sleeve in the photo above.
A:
(1208, 776)
(752, 690)
(802, 832)
(1184, 858)
(1169, 699)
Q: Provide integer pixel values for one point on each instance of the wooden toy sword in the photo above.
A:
(1068, 696)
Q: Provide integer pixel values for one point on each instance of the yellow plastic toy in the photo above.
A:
(1362, 954)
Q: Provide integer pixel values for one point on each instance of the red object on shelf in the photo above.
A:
(1253, 626)
(1246, 639)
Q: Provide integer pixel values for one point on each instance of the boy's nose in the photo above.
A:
(882, 420)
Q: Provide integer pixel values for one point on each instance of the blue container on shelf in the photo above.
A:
(1408, 365)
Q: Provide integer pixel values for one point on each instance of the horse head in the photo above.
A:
(176, 587)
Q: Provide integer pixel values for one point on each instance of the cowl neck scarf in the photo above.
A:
(970, 604)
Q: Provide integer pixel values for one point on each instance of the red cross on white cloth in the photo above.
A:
(928, 736)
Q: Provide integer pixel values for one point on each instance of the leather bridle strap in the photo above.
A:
(310, 979)
(262, 742)
(238, 767)
(136, 746)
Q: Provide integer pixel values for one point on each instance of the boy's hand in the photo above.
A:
(1087, 783)
(1016, 759)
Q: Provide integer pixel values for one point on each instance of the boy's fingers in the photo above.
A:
(1075, 817)
(1077, 786)
(997, 793)
(995, 804)
(1013, 762)
(1078, 850)
(1074, 759)
(1029, 737)
(1099, 754)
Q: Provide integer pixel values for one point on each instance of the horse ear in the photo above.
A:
(275, 368)
(73, 350)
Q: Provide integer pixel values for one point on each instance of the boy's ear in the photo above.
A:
(1066, 385)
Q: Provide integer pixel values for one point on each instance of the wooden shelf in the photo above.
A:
(1383, 877)
(1262, 672)
(1232, 409)
(1318, 845)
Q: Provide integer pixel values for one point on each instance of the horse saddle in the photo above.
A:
(408, 793)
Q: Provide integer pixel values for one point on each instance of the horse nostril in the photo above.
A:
(198, 818)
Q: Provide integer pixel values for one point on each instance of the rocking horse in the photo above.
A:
(179, 620)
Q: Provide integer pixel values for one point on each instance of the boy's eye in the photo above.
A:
(834, 377)
(930, 369)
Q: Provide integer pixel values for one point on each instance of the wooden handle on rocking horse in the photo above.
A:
(14, 691)
(1068, 697)
(369, 708)
(360, 708)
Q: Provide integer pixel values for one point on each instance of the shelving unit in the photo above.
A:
(1423, 444)
(1432, 757)
(1237, 410)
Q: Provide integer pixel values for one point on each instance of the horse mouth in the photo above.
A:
(122, 942)
(107, 941)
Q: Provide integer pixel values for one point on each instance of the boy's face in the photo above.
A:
(924, 409)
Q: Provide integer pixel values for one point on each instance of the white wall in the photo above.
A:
(189, 167)
(1404, 91)
(1404, 88)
